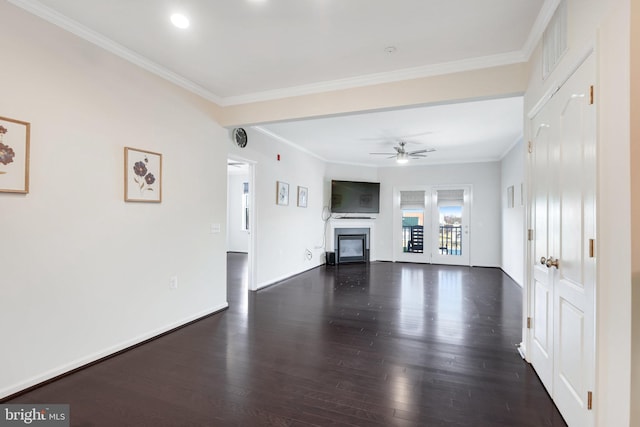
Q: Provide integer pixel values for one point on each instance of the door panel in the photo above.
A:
(542, 297)
(450, 231)
(411, 225)
(542, 332)
(570, 359)
(574, 308)
(563, 214)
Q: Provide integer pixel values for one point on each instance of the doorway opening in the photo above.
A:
(241, 216)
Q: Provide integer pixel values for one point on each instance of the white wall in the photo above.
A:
(485, 229)
(85, 274)
(613, 288)
(513, 219)
(634, 159)
(485, 223)
(237, 238)
(284, 233)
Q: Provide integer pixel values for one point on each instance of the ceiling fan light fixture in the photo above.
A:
(402, 158)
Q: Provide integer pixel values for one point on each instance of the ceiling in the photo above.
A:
(459, 133)
(239, 51)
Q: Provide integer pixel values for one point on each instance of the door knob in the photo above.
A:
(543, 261)
(552, 263)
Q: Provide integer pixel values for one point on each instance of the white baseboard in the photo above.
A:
(52, 373)
(279, 279)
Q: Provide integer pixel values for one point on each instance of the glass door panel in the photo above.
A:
(451, 225)
(411, 237)
(450, 232)
(413, 230)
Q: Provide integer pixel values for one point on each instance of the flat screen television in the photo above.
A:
(355, 197)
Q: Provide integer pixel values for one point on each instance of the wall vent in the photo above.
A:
(554, 40)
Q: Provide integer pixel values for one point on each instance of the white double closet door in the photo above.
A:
(561, 343)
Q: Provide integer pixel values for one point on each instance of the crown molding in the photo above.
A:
(288, 142)
(519, 139)
(305, 150)
(380, 78)
(509, 58)
(74, 27)
(375, 165)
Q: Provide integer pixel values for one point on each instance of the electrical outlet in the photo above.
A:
(173, 282)
(215, 228)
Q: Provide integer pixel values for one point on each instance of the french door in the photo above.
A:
(412, 225)
(562, 281)
(432, 224)
(450, 225)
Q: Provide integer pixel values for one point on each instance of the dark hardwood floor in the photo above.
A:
(378, 344)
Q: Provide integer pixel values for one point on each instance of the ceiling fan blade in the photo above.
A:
(383, 154)
(426, 150)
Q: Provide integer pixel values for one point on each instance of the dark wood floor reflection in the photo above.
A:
(378, 344)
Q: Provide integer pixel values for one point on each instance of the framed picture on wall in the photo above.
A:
(142, 176)
(14, 155)
(282, 193)
(302, 196)
(510, 196)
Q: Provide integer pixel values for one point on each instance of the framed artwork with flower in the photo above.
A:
(14, 155)
(303, 193)
(282, 193)
(142, 176)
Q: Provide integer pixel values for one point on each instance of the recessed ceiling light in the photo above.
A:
(179, 20)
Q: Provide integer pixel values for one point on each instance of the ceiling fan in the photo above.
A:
(402, 155)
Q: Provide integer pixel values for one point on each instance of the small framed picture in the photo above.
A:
(14, 155)
(142, 176)
(302, 196)
(282, 193)
(510, 197)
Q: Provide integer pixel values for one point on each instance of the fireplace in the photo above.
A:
(351, 248)
(350, 227)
